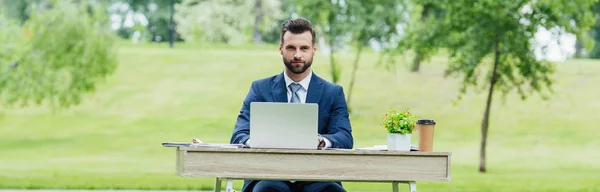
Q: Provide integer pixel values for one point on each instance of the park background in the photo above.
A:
(90, 89)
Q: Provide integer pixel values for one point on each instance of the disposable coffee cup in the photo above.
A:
(425, 127)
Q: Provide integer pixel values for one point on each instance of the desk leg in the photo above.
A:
(413, 186)
(218, 185)
(229, 187)
(395, 186)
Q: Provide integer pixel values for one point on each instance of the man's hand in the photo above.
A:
(320, 142)
(196, 141)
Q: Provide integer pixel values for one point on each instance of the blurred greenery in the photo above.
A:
(227, 21)
(595, 32)
(494, 41)
(18, 10)
(57, 53)
(159, 94)
(263, 18)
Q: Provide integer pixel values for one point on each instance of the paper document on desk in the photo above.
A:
(199, 143)
(216, 145)
(207, 145)
(175, 144)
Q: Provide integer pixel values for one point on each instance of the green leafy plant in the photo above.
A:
(402, 122)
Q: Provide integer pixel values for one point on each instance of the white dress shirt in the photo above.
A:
(303, 88)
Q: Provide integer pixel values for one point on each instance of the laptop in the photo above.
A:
(284, 125)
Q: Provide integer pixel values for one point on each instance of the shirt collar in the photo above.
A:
(304, 82)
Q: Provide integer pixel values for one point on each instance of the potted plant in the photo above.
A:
(400, 125)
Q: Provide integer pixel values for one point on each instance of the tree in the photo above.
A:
(495, 37)
(226, 21)
(213, 21)
(333, 21)
(156, 12)
(428, 9)
(285, 9)
(373, 21)
(267, 16)
(59, 54)
(258, 18)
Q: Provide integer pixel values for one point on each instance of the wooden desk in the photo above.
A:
(313, 165)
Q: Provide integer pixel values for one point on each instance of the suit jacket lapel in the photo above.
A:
(278, 89)
(315, 89)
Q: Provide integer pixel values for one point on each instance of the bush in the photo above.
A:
(59, 54)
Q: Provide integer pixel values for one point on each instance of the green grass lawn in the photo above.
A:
(160, 94)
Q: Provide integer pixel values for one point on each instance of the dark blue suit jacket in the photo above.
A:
(334, 123)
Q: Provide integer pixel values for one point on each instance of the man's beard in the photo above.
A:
(297, 70)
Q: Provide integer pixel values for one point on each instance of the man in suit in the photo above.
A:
(298, 83)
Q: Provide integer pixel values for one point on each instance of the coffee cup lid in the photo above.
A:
(426, 121)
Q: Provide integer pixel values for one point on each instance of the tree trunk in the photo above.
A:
(353, 78)
(257, 35)
(578, 48)
(172, 25)
(416, 62)
(418, 56)
(334, 72)
(486, 115)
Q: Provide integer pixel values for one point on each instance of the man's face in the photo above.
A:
(297, 51)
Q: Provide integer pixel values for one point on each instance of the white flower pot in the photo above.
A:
(398, 142)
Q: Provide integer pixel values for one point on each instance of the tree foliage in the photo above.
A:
(429, 10)
(226, 21)
(157, 13)
(494, 38)
(595, 32)
(267, 15)
(19, 10)
(59, 54)
(475, 31)
(333, 21)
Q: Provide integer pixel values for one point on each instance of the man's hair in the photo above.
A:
(297, 26)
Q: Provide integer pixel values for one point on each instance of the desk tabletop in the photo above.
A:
(315, 151)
